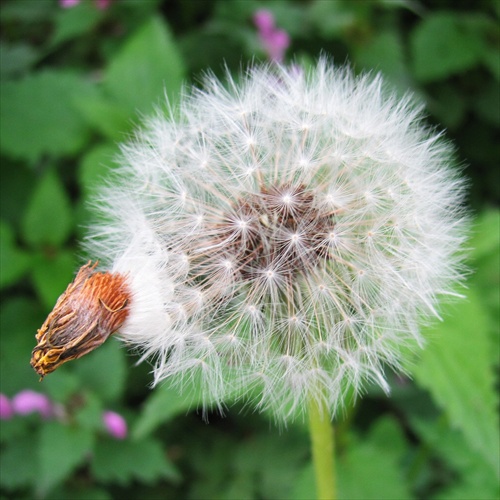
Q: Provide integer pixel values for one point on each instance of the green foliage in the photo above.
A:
(157, 68)
(75, 82)
(61, 449)
(457, 370)
(31, 113)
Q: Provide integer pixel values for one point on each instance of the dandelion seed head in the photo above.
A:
(285, 237)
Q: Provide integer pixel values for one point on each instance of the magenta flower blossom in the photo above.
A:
(274, 41)
(66, 4)
(27, 401)
(115, 424)
(6, 411)
(99, 4)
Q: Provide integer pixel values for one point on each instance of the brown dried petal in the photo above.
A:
(94, 306)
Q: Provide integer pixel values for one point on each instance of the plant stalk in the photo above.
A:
(322, 444)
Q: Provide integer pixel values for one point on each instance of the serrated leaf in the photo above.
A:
(371, 467)
(475, 478)
(148, 65)
(62, 448)
(48, 217)
(443, 44)
(124, 461)
(103, 371)
(456, 369)
(14, 262)
(51, 276)
(37, 115)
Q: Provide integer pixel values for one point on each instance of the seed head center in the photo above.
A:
(280, 228)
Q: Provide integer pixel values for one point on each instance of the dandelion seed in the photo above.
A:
(289, 264)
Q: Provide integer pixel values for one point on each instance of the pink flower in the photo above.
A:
(115, 424)
(264, 21)
(274, 41)
(27, 401)
(99, 4)
(66, 4)
(6, 411)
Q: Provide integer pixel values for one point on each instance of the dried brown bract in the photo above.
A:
(94, 306)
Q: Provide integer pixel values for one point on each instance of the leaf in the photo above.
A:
(18, 464)
(443, 44)
(62, 448)
(19, 320)
(124, 461)
(456, 369)
(371, 466)
(48, 217)
(16, 59)
(475, 478)
(96, 166)
(147, 66)
(332, 19)
(14, 262)
(51, 276)
(104, 115)
(169, 400)
(384, 52)
(103, 371)
(163, 405)
(37, 115)
(75, 22)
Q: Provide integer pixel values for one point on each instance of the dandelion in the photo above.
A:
(282, 241)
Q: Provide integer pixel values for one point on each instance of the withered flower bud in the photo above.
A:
(94, 306)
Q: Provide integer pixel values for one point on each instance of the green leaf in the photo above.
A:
(16, 59)
(75, 22)
(147, 66)
(443, 44)
(14, 262)
(371, 466)
(486, 266)
(52, 275)
(16, 188)
(48, 217)
(384, 52)
(104, 115)
(37, 115)
(332, 19)
(62, 448)
(476, 479)
(104, 370)
(163, 405)
(124, 461)
(19, 320)
(18, 464)
(96, 167)
(456, 369)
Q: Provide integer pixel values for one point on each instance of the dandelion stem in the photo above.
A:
(322, 443)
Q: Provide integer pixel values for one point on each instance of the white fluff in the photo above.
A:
(269, 333)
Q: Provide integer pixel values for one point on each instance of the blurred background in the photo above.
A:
(76, 78)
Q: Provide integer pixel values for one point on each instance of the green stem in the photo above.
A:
(322, 443)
